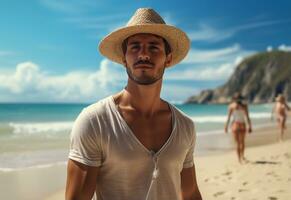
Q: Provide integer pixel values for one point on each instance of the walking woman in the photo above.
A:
(240, 124)
(280, 109)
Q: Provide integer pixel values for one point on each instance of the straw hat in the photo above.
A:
(145, 20)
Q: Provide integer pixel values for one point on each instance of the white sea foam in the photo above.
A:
(7, 169)
(260, 115)
(222, 118)
(40, 127)
(207, 119)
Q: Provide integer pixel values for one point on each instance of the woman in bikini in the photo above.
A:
(280, 109)
(240, 124)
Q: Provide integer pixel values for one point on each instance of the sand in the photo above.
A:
(267, 175)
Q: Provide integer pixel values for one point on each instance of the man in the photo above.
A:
(280, 109)
(134, 145)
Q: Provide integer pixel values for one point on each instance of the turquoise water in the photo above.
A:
(41, 132)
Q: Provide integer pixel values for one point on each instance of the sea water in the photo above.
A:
(38, 134)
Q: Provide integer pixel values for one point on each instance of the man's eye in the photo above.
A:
(154, 48)
(134, 47)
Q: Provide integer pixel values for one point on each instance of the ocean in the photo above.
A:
(38, 134)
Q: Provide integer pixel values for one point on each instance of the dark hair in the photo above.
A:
(168, 49)
(238, 98)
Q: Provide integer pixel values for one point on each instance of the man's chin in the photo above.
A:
(144, 80)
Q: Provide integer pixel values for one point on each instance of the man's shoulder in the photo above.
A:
(98, 108)
(181, 116)
(184, 123)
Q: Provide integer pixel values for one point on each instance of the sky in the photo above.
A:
(48, 48)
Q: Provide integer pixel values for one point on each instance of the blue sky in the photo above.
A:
(48, 48)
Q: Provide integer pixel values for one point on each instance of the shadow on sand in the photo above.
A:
(264, 162)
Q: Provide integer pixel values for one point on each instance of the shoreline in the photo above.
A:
(210, 150)
(261, 135)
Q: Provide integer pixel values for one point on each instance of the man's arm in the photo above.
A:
(189, 187)
(81, 181)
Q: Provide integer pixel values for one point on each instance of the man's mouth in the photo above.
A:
(143, 65)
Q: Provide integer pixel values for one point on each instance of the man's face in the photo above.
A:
(145, 58)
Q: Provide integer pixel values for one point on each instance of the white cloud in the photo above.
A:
(28, 80)
(220, 72)
(206, 32)
(209, 65)
(284, 47)
(269, 48)
(30, 83)
(223, 55)
(210, 34)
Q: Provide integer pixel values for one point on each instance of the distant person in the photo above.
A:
(239, 114)
(280, 109)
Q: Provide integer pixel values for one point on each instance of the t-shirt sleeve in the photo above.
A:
(85, 142)
(189, 161)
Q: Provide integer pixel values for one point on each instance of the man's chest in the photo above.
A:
(151, 132)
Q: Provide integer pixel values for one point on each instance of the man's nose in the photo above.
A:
(143, 54)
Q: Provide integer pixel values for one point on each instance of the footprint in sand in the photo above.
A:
(218, 193)
(232, 198)
(287, 155)
(270, 173)
(227, 173)
(242, 190)
(206, 180)
(245, 183)
(272, 198)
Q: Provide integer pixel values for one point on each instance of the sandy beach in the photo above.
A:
(267, 175)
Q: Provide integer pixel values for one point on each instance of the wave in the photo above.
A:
(223, 118)
(36, 166)
(260, 115)
(40, 127)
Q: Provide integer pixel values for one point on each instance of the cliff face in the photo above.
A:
(259, 78)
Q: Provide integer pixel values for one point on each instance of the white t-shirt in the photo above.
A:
(128, 170)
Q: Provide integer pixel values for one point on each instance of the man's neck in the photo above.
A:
(144, 99)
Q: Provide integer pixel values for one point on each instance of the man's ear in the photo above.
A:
(168, 59)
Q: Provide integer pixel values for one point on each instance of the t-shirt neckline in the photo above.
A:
(173, 117)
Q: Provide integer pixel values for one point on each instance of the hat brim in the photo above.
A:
(111, 45)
